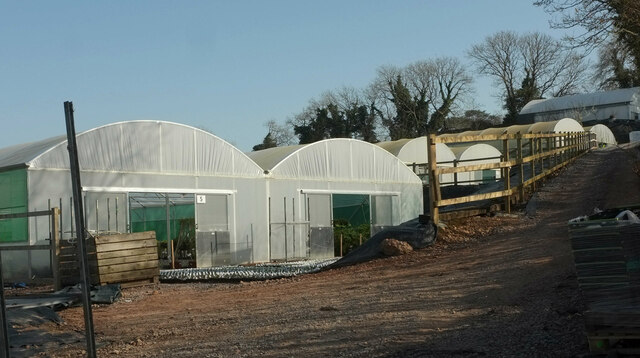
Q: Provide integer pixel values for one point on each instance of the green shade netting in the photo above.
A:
(355, 209)
(13, 199)
(155, 219)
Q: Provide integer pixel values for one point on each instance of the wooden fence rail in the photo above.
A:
(546, 154)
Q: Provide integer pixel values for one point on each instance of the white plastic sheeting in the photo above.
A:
(603, 134)
(479, 153)
(151, 147)
(564, 125)
(415, 151)
(334, 159)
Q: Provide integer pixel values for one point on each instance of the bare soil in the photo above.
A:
(490, 286)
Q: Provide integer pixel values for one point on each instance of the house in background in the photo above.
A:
(588, 108)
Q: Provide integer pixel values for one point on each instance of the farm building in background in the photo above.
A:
(588, 108)
(205, 195)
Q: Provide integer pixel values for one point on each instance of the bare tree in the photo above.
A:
(281, 134)
(612, 26)
(599, 19)
(452, 82)
(527, 67)
(615, 67)
(419, 97)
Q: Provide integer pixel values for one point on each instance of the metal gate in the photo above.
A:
(381, 212)
(213, 238)
(319, 212)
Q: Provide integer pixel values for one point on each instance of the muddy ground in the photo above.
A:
(491, 286)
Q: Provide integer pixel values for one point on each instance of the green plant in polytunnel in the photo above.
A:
(351, 235)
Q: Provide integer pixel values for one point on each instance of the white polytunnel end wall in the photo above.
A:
(131, 172)
(310, 185)
(604, 135)
(564, 125)
(413, 152)
(477, 154)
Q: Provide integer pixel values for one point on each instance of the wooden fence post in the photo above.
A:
(455, 175)
(521, 165)
(55, 248)
(507, 177)
(532, 142)
(434, 182)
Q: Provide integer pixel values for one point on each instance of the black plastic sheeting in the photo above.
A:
(28, 338)
(419, 233)
(28, 314)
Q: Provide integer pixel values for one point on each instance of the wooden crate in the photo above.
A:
(128, 259)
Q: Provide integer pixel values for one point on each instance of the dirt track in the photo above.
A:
(501, 286)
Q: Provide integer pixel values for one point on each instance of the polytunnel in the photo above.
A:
(564, 125)
(604, 135)
(478, 153)
(315, 186)
(186, 184)
(413, 152)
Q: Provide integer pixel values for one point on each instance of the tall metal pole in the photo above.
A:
(5, 353)
(80, 228)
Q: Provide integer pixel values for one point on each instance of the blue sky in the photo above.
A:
(226, 66)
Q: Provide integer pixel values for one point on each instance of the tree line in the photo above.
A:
(431, 96)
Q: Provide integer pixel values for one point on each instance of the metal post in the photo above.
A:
(166, 202)
(108, 215)
(97, 218)
(71, 218)
(80, 229)
(61, 220)
(117, 227)
(269, 218)
(293, 225)
(6, 353)
(286, 257)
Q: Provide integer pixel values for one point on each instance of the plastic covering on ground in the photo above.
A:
(419, 233)
(264, 271)
(26, 337)
(609, 217)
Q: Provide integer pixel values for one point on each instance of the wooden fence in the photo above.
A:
(546, 154)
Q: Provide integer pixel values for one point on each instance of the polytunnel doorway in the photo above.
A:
(351, 221)
(172, 217)
(213, 237)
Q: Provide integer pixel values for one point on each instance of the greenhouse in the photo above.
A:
(413, 152)
(317, 188)
(477, 154)
(136, 176)
(604, 135)
(564, 125)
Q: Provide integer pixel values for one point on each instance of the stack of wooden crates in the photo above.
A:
(606, 252)
(127, 259)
